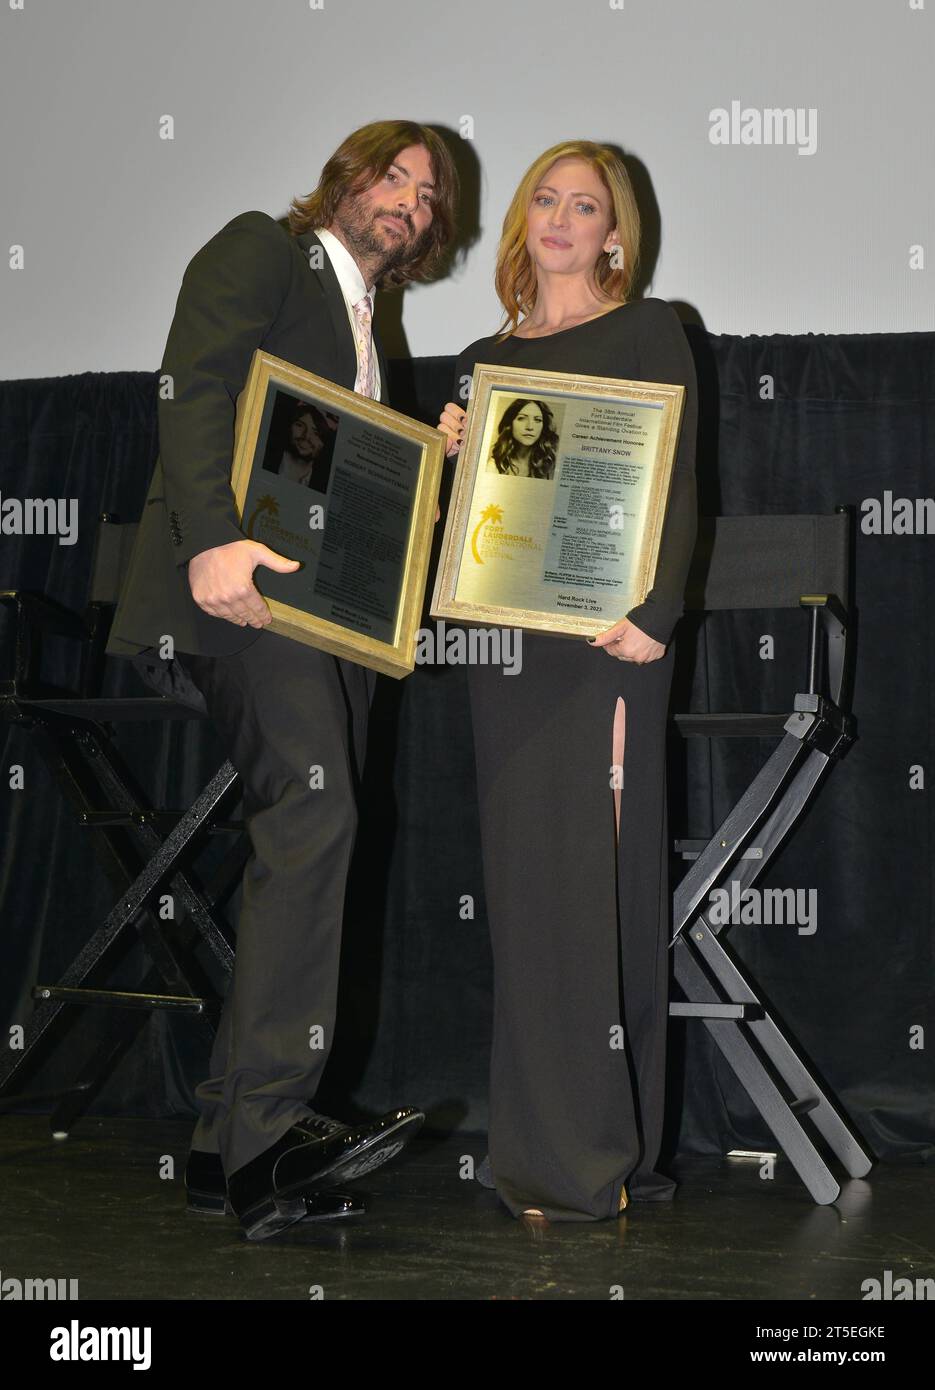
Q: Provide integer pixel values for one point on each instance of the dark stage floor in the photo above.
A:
(94, 1208)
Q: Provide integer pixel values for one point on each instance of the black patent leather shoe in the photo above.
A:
(268, 1194)
(206, 1191)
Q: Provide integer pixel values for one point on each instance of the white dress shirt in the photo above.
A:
(353, 289)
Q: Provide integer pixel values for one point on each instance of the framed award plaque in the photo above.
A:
(559, 500)
(349, 487)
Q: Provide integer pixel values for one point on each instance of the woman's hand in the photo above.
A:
(451, 422)
(627, 642)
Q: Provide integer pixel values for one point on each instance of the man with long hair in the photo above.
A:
(381, 216)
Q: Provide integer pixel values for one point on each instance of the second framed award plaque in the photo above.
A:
(349, 487)
(558, 501)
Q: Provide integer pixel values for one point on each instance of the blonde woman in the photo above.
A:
(575, 871)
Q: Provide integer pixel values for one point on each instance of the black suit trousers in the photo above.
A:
(294, 723)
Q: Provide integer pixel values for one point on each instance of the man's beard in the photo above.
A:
(358, 227)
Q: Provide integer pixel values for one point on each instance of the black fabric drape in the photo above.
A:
(789, 424)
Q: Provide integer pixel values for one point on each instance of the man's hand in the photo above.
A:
(627, 642)
(221, 581)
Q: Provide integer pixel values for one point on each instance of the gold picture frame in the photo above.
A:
(349, 486)
(568, 542)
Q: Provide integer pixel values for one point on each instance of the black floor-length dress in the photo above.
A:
(578, 922)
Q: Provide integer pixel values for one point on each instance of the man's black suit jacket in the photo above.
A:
(252, 286)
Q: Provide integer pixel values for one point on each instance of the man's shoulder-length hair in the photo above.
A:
(358, 163)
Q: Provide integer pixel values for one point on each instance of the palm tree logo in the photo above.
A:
(491, 513)
(265, 504)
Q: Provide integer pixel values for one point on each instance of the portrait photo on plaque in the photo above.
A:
(558, 501)
(349, 487)
(301, 441)
(526, 436)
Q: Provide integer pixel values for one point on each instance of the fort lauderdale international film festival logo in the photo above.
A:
(265, 510)
(263, 525)
(491, 538)
(493, 514)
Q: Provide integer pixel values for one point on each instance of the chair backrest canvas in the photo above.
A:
(768, 561)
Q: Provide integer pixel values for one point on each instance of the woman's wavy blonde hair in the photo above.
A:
(516, 275)
(363, 158)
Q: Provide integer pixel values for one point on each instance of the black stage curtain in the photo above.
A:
(788, 424)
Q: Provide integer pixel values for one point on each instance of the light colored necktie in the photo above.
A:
(364, 383)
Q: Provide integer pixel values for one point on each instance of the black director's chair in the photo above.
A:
(145, 851)
(768, 562)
